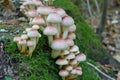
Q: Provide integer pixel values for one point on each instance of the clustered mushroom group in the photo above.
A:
(59, 27)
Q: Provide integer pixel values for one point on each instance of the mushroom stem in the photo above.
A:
(63, 78)
(19, 46)
(55, 53)
(35, 40)
(42, 28)
(24, 48)
(72, 77)
(65, 32)
(31, 49)
(58, 29)
(50, 39)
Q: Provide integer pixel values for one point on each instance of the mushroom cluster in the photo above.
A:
(59, 27)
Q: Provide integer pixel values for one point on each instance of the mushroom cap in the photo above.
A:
(59, 44)
(50, 30)
(74, 71)
(54, 18)
(24, 36)
(60, 11)
(61, 61)
(69, 68)
(28, 29)
(38, 21)
(79, 72)
(74, 48)
(69, 41)
(35, 27)
(73, 62)
(67, 21)
(64, 52)
(33, 33)
(16, 38)
(32, 13)
(37, 3)
(63, 73)
(80, 57)
(30, 43)
(22, 8)
(22, 42)
(28, 2)
(71, 35)
(70, 56)
(72, 28)
(44, 10)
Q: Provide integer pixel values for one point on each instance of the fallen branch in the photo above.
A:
(102, 73)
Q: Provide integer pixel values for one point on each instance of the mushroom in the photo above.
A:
(73, 62)
(17, 39)
(80, 57)
(24, 36)
(50, 31)
(72, 28)
(63, 74)
(66, 23)
(22, 42)
(59, 44)
(69, 41)
(34, 35)
(64, 52)
(31, 47)
(38, 21)
(37, 3)
(71, 35)
(70, 56)
(69, 68)
(61, 62)
(74, 48)
(60, 11)
(28, 29)
(31, 13)
(55, 20)
(44, 11)
(35, 27)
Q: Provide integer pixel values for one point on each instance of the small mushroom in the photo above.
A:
(74, 48)
(22, 42)
(55, 20)
(80, 57)
(50, 31)
(60, 11)
(17, 39)
(31, 47)
(71, 35)
(34, 35)
(63, 74)
(59, 44)
(66, 23)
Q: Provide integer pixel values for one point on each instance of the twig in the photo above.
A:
(89, 8)
(96, 3)
(107, 76)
